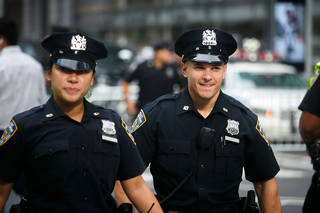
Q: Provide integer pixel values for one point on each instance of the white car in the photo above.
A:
(273, 91)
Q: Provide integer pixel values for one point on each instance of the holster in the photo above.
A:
(248, 204)
(21, 207)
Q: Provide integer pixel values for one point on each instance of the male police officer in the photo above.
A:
(309, 127)
(203, 137)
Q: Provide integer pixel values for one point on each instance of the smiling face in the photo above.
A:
(204, 79)
(69, 86)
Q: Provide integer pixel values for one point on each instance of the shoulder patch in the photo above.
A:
(261, 132)
(8, 132)
(139, 121)
(124, 125)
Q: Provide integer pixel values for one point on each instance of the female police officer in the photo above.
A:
(176, 134)
(72, 152)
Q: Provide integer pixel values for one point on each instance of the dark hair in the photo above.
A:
(9, 30)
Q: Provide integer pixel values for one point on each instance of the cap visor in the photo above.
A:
(198, 57)
(73, 64)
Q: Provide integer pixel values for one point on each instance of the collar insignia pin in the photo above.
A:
(49, 115)
(185, 107)
(209, 38)
(78, 43)
(96, 113)
(225, 109)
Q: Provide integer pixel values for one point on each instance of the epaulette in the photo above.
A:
(166, 97)
(29, 112)
(238, 104)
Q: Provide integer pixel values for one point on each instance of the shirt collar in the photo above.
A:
(52, 110)
(185, 104)
(10, 49)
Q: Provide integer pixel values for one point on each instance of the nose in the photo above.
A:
(207, 75)
(73, 77)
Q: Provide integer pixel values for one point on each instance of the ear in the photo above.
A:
(92, 79)
(184, 69)
(49, 74)
(225, 70)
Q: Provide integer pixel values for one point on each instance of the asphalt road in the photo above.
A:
(293, 179)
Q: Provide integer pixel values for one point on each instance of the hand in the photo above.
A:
(132, 109)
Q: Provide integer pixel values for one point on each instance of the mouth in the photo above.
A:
(71, 89)
(206, 85)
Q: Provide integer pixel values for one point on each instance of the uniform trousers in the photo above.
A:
(311, 203)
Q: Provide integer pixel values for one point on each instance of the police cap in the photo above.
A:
(161, 45)
(75, 51)
(205, 45)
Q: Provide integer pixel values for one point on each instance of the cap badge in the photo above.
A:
(108, 127)
(78, 43)
(209, 37)
(233, 127)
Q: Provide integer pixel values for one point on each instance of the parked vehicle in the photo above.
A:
(273, 91)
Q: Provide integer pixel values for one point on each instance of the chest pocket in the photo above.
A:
(51, 158)
(174, 154)
(107, 157)
(50, 148)
(229, 162)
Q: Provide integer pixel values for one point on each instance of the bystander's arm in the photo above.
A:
(5, 190)
(132, 109)
(268, 197)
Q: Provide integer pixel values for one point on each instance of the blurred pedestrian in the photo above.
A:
(198, 141)
(22, 84)
(309, 127)
(72, 151)
(156, 77)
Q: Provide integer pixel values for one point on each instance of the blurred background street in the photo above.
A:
(278, 47)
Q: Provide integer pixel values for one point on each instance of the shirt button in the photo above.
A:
(84, 174)
(82, 148)
(50, 150)
(171, 148)
(201, 189)
(202, 166)
(85, 199)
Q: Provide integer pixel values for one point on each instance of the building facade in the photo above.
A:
(130, 23)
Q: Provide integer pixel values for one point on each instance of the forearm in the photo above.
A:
(268, 197)
(119, 195)
(309, 127)
(5, 190)
(141, 195)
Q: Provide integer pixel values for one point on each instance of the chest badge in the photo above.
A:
(108, 127)
(233, 127)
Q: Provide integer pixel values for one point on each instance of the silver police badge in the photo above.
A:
(233, 127)
(209, 37)
(78, 43)
(108, 127)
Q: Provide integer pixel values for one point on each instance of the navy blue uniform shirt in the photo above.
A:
(311, 101)
(166, 133)
(69, 166)
(153, 83)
